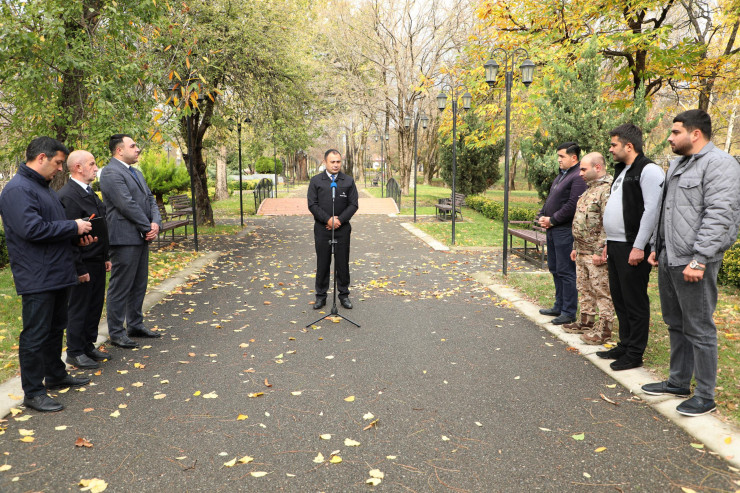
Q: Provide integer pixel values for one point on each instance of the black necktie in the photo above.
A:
(89, 190)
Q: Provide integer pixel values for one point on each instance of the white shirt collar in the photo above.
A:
(127, 165)
(82, 184)
(330, 175)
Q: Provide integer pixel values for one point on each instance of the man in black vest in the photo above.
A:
(629, 220)
(345, 206)
(557, 216)
(87, 297)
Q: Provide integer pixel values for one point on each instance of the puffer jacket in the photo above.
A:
(701, 207)
(39, 236)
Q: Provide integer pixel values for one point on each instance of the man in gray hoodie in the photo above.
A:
(699, 220)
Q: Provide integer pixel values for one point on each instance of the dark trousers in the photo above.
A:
(563, 269)
(127, 288)
(628, 285)
(322, 238)
(85, 307)
(40, 342)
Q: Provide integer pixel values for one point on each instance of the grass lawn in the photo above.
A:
(539, 288)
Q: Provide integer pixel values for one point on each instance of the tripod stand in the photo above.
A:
(334, 312)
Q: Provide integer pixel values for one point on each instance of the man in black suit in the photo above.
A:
(345, 206)
(133, 221)
(92, 262)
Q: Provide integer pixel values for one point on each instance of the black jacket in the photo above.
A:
(320, 201)
(78, 204)
(40, 238)
(560, 205)
(633, 205)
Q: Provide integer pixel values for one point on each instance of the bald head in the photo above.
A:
(593, 166)
(81, 165)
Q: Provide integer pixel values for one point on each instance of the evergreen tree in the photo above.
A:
(163, 176)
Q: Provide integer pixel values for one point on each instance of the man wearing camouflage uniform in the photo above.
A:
(592, 274)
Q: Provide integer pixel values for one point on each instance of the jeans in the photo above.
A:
(563, 269)
(40, 342)
(688, 309)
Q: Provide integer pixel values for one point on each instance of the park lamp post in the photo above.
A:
(239, 137)
(441, 104)
(383, 138)
(407, 123)
(492, 68)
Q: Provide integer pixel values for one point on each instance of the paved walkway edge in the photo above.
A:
(708, 429)
(437, 245)
(11, 392)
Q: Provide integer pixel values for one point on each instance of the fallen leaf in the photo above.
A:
(478, 423)
(376, 473)
(88, 409)
(350, 398)
(26, 433)
(600, 449)
(445, 438)
(687, 490)
(25, 417)
(578, 436)
(373, 481)
(119, 389)
(160, 396)
(122, 372)
(230, 463)
(545, 429)
(372, 423)
(258, 474)
(115, 413)
(211, 395)
(390, 457)
(267, 384)
(93, 485)
(586, 475)
(608, 400)
(319, 458)
(255, 394)
(348, 442)
(137, 384)
(697, 445)
(27, 439)
(297, 392)
(330, 357)
(241, 417)
(5, 467)
(335, 459)
(325, 436)
(83, 442)
(368, 416)
(246, 459)
(60, 428)
(196, 393)
(728, 440)
(612, 386)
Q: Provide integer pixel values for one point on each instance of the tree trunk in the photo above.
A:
(302, 165)
(731, 123)
(222, 188)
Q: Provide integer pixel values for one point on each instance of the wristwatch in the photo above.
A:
(696, 265)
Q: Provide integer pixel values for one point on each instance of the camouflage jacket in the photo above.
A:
(588, 228)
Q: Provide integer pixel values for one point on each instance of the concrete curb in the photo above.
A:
(708, 429)
(11, 392)
(437, 245)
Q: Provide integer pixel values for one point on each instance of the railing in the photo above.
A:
(261, 192)
(393, 191)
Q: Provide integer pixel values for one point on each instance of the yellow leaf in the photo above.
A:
(319, 458)
(26, 433)
(230, 463)
(5, 467)
(325, 436)
(368, 416)
(687, 490)
(255, 394)
(728, 440)
(698, 445)
(115, 413)
(578, 436)
(335, 459)
(376, 473)
(60, 428)
(122, 372)
(246, 459)
(445, 438)
(258, 474)
(350, 398)
(160, 396)
(119, 389)
(390, 457)
(23, 418)
(93, 485)
(241, 417)
(211, 395)
(348, 442)
(27, 439)
(14, 411)
(600, 449)
(137, 384)
(197, 393)
(297, 392)
(373, 481)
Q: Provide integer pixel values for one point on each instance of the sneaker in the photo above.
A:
(626, 363)
(696, 406)
(665, 388)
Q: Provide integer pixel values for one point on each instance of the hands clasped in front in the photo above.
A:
(333, 223)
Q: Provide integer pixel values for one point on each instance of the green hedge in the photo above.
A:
(729, 272)
(233, 185)
(495, 210)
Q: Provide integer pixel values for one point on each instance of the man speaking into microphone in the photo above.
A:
(326, 189)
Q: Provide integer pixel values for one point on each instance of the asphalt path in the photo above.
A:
(443, 388)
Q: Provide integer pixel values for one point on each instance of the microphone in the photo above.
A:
(333, 189)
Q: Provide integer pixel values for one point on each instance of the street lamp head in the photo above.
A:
(527, 68)
(424, 120)
(387, 136)
(407, 121)
(376, 138)
(441, 101)
(467, 98)
(491, 68)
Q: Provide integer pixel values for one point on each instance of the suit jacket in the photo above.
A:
(320, 201)
(78, 204)
(130, 207)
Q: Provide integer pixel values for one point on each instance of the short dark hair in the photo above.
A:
(44, 145)
(331, 151)
(115, 141)
(570, 148)
(696, 119)
(628, 133)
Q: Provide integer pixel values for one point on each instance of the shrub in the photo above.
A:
(729, 272)
(233, 185)
(495, 210)
(266, 164)
(162, 176)
(3, 249)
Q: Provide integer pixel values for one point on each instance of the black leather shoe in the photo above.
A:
(124, 342)
(563, 319)
(614, 353)
(626, 363)
(98, 355)
(43, 403)
(320, 303)
(550, 312)
(665, 388)
(346, 303)
(68, 381)
(82, 361)
(144, 332)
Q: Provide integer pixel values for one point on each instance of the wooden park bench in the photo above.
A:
(444, 207)
(535, 235)
(180, 204)
(375, 181)
(170, 222)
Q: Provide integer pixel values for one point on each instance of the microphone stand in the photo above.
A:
(334, 311)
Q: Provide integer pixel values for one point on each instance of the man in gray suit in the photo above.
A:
(133, 221)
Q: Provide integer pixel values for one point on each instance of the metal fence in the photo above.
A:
(393, 190)
(261, 192)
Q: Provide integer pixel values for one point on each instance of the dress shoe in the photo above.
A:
(665, 388)
(43, 403)
(563, 319)
(696, 406)
(550, 312)
(320, 303)
(68, 381)
(144, 332)
(98, 355)
(626, 363)
(124, 342)
(346, 303)
(614, 353)
(82, 361)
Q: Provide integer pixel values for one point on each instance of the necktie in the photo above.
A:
(333, 177)
(89, 190)
(133, 172)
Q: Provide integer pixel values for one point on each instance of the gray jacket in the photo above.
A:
(701, 207)
(130, 207)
